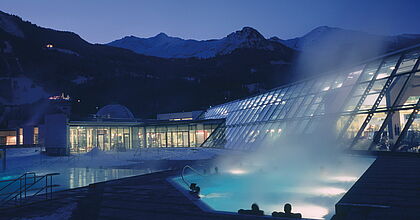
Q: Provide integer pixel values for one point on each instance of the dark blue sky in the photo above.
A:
(101, 21)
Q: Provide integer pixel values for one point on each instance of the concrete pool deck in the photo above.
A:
(389, 182)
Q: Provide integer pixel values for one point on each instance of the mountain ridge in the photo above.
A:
(56, 62)
(319, 38)
(166, 46)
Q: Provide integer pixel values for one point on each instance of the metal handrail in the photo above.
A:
(26, 189)
(18, 178)
(21, 192)
(17, 190)
(182, 174)
(15, 180)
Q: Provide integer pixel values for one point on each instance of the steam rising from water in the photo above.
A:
(306, 161)
(307, 171)
(330, 48)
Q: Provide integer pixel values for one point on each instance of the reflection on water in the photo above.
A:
(312, 192)
(328, 191)
(78, 177)
(311, 210)
(237, 171)
(342, 178)
(70, 178)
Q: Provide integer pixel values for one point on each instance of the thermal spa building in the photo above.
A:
(115, 128)
(372, 106)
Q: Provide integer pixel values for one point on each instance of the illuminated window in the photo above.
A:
(8, 137)
(20, 136)
(36, 135)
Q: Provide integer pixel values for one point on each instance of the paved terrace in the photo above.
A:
(389, 189)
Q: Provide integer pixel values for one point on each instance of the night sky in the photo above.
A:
(101, 21)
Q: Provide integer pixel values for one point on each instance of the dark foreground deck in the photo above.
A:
(389, 189)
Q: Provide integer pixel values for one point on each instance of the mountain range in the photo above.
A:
(324, 38)
(162, 73)
(165, 46)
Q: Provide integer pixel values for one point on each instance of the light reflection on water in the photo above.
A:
(70, 178)
(312, 193)
(78, 177)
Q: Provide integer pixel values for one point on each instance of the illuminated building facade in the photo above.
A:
(373, 106)
(115, 128)
(85, 135)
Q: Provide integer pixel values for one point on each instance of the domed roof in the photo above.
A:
(115, 111)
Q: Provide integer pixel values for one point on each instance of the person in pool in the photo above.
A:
(287, 212)
(194, 188)
(255, 210)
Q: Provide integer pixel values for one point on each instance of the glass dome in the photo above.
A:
(115, 111)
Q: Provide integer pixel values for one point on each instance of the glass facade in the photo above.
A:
(84, 136)
(372, 106)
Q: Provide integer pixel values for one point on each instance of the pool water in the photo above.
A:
(70, 178)
(313, 192)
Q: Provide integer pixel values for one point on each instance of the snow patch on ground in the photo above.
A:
(66, 51)
(24, 91)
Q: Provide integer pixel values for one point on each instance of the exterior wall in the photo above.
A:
(28, 135)
(56, 134)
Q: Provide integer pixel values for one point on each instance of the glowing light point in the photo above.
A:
(237, 171)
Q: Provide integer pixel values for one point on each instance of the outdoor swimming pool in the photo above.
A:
(70, 178)
(313, 193)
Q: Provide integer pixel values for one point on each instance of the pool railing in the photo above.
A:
(16, 190)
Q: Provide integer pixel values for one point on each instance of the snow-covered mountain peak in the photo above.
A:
(274, 38)
(325, 36)
(324, 28)
(161, 35)
(247, 33)
(166, 46)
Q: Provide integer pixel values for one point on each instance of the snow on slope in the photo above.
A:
(24, 91)
(321, 38)
(8, 25)
(324, 35)
(163, 45)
